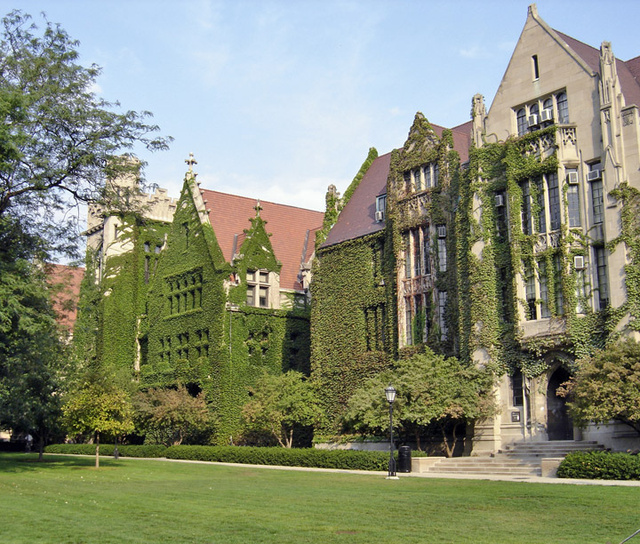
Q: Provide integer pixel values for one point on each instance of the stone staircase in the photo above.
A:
(521, 459)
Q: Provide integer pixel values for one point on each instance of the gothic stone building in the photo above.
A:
(509, 241)
(209, 291)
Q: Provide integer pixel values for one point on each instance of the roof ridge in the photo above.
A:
(262, 201)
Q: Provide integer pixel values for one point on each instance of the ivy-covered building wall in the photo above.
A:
(210, 296)
(509, 241)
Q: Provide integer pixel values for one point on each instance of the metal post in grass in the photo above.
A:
(390, 393)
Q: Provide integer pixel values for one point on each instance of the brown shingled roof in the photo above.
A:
(358, 217)
(627, 71)
(289, 226)
(65, 283)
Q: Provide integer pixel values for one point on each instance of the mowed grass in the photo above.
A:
(66, 500)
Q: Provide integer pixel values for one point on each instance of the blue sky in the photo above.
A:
(278, 99)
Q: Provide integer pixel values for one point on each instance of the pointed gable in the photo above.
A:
(358, 216)
(256, 250)
(292, 230)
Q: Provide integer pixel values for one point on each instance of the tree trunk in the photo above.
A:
(417, 434)
(97, 450)
(41, 447)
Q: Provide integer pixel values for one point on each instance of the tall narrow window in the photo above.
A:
(530, 292)
(428, 178)
(436, 174)
(409, 321)
(442, 306)
(407, 182)
(535, 67)
(557, 282)
(544, 289)
(526, 208)
(501, 215)
(442, 254)
(417, 261)
(516, 388)
(563, 108)
(417, 179)
(407, 254)
(542, 219)
(554, 201)
(597, 201)
(521, 121)
(573, 198)
(603, 283)
(426, 251)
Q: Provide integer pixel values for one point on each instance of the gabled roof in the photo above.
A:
(358, 217)
(65, 284)
(293, 229)
(628, 72)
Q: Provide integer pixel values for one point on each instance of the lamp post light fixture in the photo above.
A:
(390, 393)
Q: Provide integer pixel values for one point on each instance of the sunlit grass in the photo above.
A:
(66, 500)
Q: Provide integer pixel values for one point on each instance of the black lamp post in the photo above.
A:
(390, 393)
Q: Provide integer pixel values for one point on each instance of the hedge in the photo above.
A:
(303, 457)
(600, 465)
(107, 450)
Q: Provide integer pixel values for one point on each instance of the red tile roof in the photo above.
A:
(65, 283)
(292, 229)
(357, 218)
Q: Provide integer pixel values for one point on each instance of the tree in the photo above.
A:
(59, 142)
(100, 410)
(606, 386)
(279, 403)
(431, 389)
(171, 416)
(31, 352)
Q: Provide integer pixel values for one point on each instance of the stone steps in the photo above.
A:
(519, 459)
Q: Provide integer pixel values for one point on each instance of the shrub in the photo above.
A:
(600, 465)
(107, 450)
(294, 457)
(303, 457)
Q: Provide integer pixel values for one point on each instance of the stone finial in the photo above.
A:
(191, 161)
(257, 208)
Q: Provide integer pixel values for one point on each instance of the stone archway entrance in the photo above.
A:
(559, 424)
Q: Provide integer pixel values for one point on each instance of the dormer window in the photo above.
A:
(381, 207)
(258, 288)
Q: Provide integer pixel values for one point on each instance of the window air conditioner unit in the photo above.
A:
(546, 115)
(594, 175)
(533, 120)
(442, 231)
(499, 201)
(572, 178)
(578, 262)
(379, 216)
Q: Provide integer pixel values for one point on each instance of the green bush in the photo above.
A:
(107, 450)
(600, 465)
(307, 457)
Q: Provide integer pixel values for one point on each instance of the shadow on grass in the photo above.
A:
(28, 462)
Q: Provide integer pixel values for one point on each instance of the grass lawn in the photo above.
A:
(66, 500)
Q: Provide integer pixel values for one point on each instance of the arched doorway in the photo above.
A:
(559, 424)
